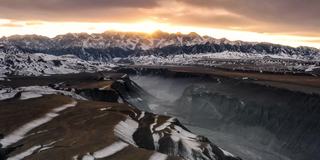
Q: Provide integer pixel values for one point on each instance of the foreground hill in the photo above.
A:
(86, 116)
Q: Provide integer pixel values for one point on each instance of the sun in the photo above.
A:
(146, 26)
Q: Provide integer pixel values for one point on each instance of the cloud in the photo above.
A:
(73, 10)
(270, 15)
(11, 25)
(64, 5)
(296, 17)
(314, 41)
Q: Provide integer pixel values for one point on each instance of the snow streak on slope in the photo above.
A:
(107, 151)
(32, 150)
(19, 133)
(125, 130)
(26, 153)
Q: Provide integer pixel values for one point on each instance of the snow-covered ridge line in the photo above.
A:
(226, 55)
(124, 40)
(108, 45)
(290, 62)
(127, 40)
(34, 92)
(44, 64)
(38, 55)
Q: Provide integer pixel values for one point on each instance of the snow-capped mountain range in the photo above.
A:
(108, 45)
(79, 52)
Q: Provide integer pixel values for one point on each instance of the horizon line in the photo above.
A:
(158, 30)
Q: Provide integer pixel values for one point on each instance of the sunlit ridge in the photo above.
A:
(52, 29)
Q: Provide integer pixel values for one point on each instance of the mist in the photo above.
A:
(250, 120)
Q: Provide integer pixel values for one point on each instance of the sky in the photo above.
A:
(288, 22)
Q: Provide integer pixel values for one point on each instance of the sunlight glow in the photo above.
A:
(52, 29)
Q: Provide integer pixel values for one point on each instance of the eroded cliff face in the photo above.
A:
(253, 120)
(91, 117)
(280, 119)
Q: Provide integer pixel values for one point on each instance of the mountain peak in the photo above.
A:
(159, 34)
(194, 35)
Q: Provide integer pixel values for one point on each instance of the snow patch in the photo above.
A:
(311, 68)
(153, 106)
(154, 123)
(125, 130)
(26, 153)
(103, 109)
(120, 100)
(158, 156)
(165, 125)
(226, 153)
(110, 150)
(34, 92)
(105, 152)
(29, 95)
(88, 157)
(142, 114)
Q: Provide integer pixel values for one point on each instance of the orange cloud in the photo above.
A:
(272, 17)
